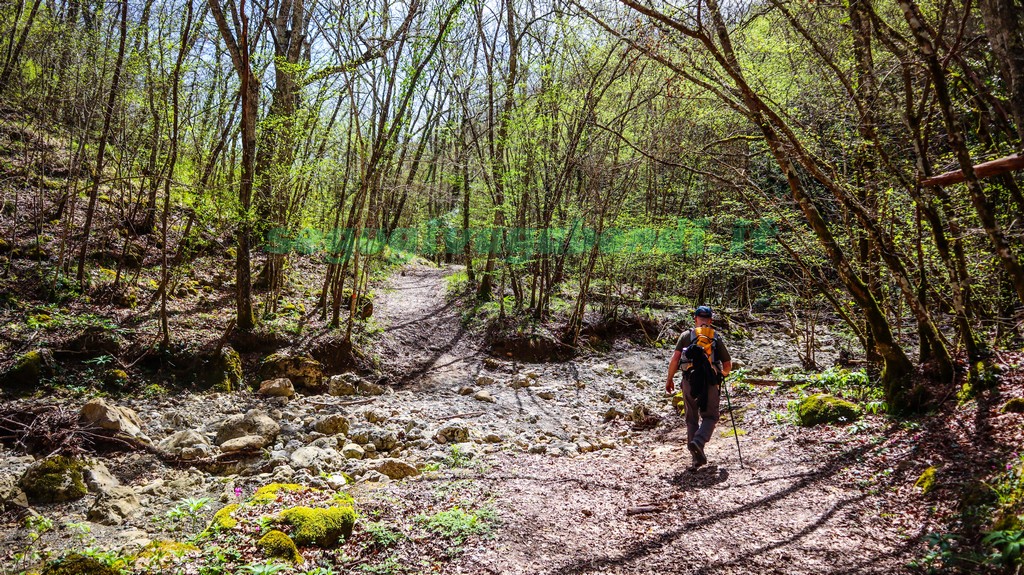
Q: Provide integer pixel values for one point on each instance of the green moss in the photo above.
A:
(823, 408)
(1015, 405)
(115, 378)
(76, 564)
(277, 545)
(28, 370)
(223, 519)
(166, 547)
(268, 493)
(729, 432)
(56, 479)
(231, 367)
(679, 403)
(321, 527)
(221, 372)
(980, 377)
(926, 483)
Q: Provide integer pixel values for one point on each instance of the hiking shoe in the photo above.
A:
(697, 452)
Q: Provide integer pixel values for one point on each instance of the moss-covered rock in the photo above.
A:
(54, 480)
(223, 518)
(28, 371)
(229, 365)
(277, 545)
(165, 547)
(323, 527)
(116, 378)
(823, 408)
(1015, 405)
(76, 564)
(302, 370)
(926, 482)
(268, 493)
(221, 371)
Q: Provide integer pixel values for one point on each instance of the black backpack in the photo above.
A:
(701, 374)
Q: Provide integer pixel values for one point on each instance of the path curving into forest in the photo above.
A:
(423, 339)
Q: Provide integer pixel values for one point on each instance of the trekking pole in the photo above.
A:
(732, 416)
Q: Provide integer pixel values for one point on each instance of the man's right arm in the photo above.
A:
(673, 366)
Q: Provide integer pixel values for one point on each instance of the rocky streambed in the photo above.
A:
(478, 464)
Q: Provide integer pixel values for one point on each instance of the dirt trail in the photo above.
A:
(807, 501)
(423, 339)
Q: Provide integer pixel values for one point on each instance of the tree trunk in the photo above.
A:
(108, 115)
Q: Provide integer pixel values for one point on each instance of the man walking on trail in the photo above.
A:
(704, 360)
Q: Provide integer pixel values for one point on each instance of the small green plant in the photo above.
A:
(457, 457)
(36, 526)
(875, 407)
(456, 284)
(457, 524)
(381, 535)
(1008, 547)
(783, 417)
(941, 553)
(389, 566)
(110, 558)
(101, 361)
(858, 426)
(264, 568)
(196, 504)
(319, 571)
(266, 522)
(852, 385)
(81, 531)
(186, 513)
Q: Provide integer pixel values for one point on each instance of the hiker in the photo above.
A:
(704, 360)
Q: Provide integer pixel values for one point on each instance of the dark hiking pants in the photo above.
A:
(700, 424)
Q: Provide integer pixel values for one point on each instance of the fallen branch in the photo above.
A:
(642, 509)
(342, 403)
(458, 415)
(774, 382)
(983, 170)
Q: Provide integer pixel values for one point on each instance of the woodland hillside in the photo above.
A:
(379, 261)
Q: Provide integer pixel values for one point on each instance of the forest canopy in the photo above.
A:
(785, 146)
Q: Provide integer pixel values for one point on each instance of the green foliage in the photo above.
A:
(186, 514)
(1007, 546)
(456, 284)
(388, 566)
(264, 568)
(941, 554)
(382, 535)
(1008, 488)
(457, 524)
(852, 385)
(36, 525)
(457, 458)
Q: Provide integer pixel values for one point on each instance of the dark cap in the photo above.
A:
(703, 311)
